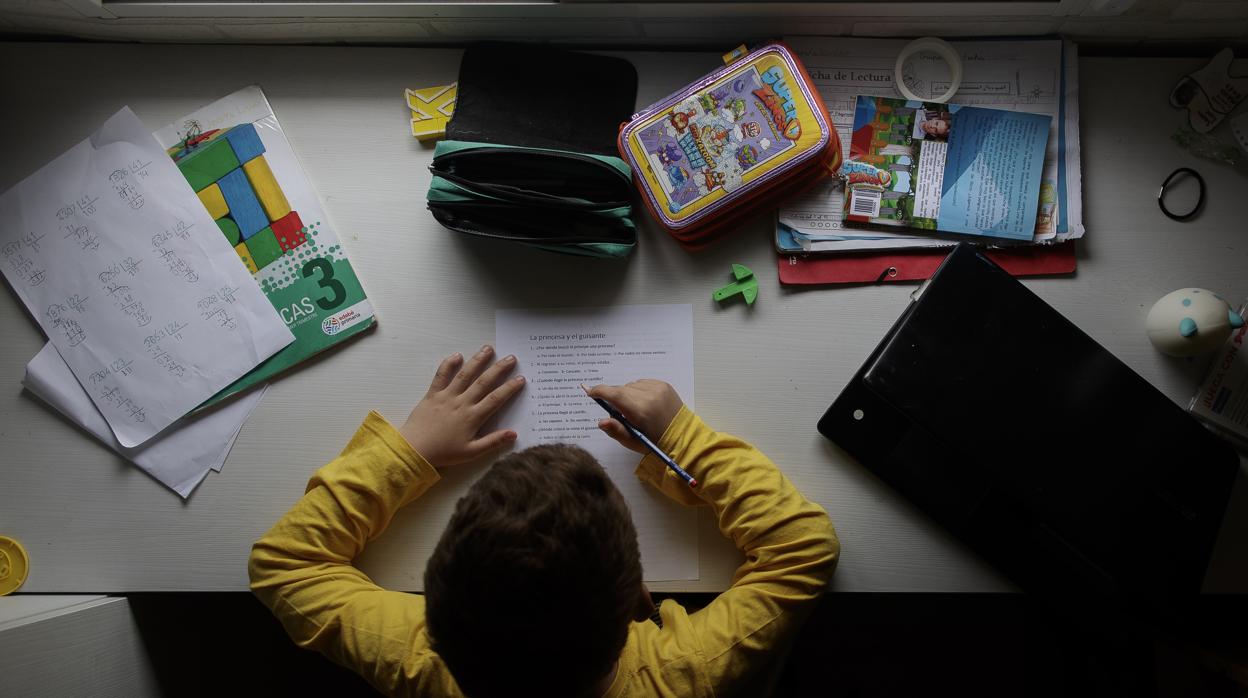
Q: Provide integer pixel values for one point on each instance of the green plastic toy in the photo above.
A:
(745, 284)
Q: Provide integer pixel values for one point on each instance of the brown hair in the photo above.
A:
(532, 586)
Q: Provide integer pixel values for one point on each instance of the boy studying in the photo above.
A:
(535, 587)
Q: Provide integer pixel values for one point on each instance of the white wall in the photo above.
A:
(1146, 24)
(67, 646)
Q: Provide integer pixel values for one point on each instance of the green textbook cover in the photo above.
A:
(237, 159)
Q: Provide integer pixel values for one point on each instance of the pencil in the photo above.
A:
(636, 433)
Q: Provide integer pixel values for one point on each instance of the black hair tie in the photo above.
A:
(1200, 200)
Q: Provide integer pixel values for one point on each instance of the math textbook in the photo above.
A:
(945, 167)
(235, 156)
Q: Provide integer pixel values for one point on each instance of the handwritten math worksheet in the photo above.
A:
(121, 265)
(560, 349)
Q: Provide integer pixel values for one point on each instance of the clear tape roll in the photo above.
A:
(940, 47)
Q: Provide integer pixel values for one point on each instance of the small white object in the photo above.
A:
(1190, 321)
(928, 44)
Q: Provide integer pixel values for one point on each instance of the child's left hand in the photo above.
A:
(444, 424)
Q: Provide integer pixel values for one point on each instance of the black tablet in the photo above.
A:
(1010, 426)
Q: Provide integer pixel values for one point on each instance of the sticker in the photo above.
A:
(1210, 93)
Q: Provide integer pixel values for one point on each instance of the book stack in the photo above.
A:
(998, 165)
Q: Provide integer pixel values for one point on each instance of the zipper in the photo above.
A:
(508, 193)
(535, 151)
(467, 226)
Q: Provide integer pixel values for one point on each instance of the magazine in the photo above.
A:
(237, 159)
(945, 167)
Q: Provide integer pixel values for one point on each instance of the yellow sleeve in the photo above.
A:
(789, 544)
(301, 569)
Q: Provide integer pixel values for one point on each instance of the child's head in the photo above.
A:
(535, 580)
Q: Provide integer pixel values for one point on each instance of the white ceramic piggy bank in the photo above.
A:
(1190, 321)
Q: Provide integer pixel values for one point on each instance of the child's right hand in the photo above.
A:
(649, 404)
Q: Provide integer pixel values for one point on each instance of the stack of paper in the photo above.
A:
(180, 457)
(1035, 76)
(148, 315)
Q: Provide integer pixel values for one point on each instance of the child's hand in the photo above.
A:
(443, 426)
(649, 404)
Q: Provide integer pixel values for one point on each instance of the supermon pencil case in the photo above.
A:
(731, 145)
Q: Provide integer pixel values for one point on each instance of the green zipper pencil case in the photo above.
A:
(577, 203)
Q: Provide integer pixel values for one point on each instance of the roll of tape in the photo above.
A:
(929, 44)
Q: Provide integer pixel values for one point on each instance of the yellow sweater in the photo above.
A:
(301, 569)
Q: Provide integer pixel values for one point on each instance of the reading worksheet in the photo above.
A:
(118, 261)
(560, 349)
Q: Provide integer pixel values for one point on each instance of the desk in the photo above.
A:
(92, 523)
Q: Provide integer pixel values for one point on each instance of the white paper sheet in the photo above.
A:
(106, 246)
(1014, 75)
(179, 458)
(1072, 155)
(557, 351)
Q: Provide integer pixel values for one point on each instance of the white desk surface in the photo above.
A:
(94, 524)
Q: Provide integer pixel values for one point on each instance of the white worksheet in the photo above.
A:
(179, 457)
(119, 262)
(560, 349)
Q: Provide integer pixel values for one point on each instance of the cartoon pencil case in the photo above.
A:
(557, 200)
(730, 145)
(534, 165)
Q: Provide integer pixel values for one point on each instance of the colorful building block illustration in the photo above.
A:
(264, 248)
(184, 148)
(230, 229)
(289, 228)
(227, 169)
(267, 190)
(245, 142)
(213, 200)
(208, 163)
(244, 206)
(245, 255)
(290, 241)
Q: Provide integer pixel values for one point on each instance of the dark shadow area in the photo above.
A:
(869, 645)
(229, 644)
(854, 645)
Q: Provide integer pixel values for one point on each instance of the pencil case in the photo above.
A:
(534, 165)
(730, 145)
(557, 200)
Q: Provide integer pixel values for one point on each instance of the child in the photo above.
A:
(535, 586)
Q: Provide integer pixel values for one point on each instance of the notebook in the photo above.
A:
(236, 157)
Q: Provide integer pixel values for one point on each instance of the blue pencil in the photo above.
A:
(636, 433)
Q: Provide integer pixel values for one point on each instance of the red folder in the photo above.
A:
(916, 265)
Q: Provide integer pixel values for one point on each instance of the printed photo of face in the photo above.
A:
(932, 125)
(936, 129)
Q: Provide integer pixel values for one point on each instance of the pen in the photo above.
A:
(636, 433)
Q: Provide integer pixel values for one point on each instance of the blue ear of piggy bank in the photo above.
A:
(1187, 327)
(1236, 320)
